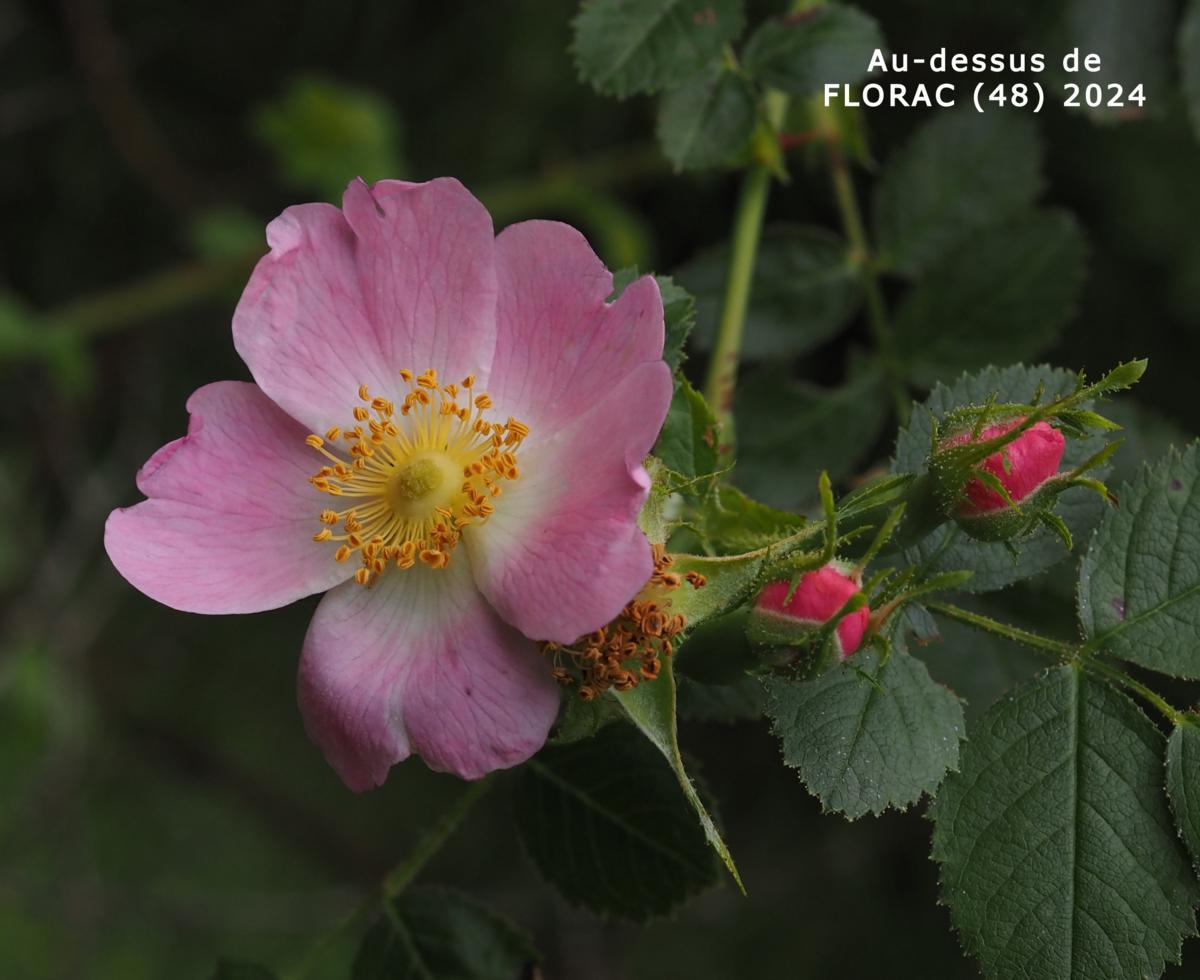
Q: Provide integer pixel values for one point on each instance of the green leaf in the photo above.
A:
(241, 970)
(708, 120)
(679, 312)
(1134, 45)
(1189, 61)
(581, 719)
(803, 52)
(862, 747)
(1139, 585)
(790, 431)
(947, 548)
(1059, 859)
(604, 822)
(804, 291)
(437, 934)
(323, 134)
(734, 523)
(658, 519)
(687, 445)
(960, 172)
(1183, 784)
(651, 707)
(627, 46)
(1145, 434)
(1004, 297)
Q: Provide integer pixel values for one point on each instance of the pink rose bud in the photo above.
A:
(818, 598)
(1022, 466)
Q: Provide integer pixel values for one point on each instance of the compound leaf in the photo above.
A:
(800, 53)
(1139, 585)
(960, 172)
(1059, 859)
(1183, 784)
(708, 120)
(865, 743)
(627, 46)
(1001, 299)
(605, 823)
(437, 934)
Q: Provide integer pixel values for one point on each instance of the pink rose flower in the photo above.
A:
(1021, 467)
(446, 431)
(819, 596)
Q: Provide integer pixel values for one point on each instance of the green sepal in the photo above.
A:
(652, 709)
(579, 719)
(1012, 523)
(808, 648)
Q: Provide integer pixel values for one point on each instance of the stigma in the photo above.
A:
(415, 476)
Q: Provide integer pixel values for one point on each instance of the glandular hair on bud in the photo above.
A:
(794, 617)
(1003, 495)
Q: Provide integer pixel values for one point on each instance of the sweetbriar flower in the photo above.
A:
(446, 431)
(818, 597)
(1022, 466)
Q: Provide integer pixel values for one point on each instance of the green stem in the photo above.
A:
(400, 877)
(1026, 638)
(860, 246)
(1061, 649)
(561, 189)
(149, 297)
(721, 384)
(1171, 713)
(403, 874)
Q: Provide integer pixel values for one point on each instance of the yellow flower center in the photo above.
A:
(419, 477)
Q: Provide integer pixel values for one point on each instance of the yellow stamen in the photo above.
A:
(418, 478)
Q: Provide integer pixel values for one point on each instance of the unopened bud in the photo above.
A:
(1007, 493)
(1021, 467)
(818, 598)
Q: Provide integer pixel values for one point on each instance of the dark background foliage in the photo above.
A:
(160, 801)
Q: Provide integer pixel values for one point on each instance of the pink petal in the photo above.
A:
(420, 663)
(1021, 467)
(404, 278)
(229, 525)
(562, 554)
(819, 596)
(560, 347)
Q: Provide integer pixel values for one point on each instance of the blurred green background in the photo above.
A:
(161, 804)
